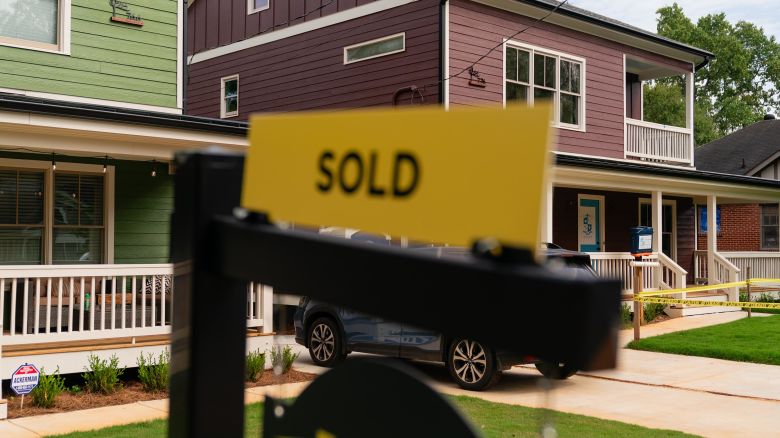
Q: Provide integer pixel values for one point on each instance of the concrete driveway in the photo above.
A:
(702, 396)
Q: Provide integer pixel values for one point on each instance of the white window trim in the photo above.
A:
(222, 110)
(761, 227)
(673, 204)
(63, 35)
(48, 187)
(556, 102)
(378, 40)
(250, 7)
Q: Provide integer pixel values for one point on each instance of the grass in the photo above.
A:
(492, 419)
(746, 340)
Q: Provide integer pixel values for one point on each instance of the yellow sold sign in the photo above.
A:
(430, 175)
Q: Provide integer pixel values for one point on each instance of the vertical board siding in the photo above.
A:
(307, 71)
(142, 209)
(108, 60)
(475, 29)
(214, 28)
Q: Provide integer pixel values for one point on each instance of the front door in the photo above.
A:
(590, 225)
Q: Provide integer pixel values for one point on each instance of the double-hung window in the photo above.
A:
(769, 227)
(21, 217)
(35, 24)
(229, 97)
(533, 75)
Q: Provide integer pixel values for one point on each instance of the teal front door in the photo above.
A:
(589, 225)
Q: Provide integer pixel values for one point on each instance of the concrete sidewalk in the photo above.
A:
(708, 397)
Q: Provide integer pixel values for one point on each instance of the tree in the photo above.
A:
(736, 88)
(665, 103)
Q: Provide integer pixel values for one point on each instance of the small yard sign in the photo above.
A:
(25, 379)
(424, 173)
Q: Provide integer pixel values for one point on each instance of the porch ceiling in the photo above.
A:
(647, 70)
(567, 175)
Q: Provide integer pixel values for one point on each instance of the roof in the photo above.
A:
(740, 152)
(611, 23)
(22, 103)
(639, 167)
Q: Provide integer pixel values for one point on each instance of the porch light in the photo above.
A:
(154, 168)
(53, 162)
(105, 165)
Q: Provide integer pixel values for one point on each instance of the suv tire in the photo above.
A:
(472, 365)
(325, 342)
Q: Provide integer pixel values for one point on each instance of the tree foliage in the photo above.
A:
(732, 91)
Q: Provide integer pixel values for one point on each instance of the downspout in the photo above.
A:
(442, 49)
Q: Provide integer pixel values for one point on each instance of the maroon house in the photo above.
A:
(614, 170)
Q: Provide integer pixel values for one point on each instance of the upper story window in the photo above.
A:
(769, 227)
(253, 6)
(35, 24)
(533, 74)
(375, 48)
(229, 97)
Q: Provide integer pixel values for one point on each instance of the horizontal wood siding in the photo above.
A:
(142, 210)
(307, 71)
(475, 29)
(216, 23)
(108, 60)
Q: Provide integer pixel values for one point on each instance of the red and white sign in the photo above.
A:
(24, 379)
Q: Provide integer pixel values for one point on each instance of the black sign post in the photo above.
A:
(215, 253)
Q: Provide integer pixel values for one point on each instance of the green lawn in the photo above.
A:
(754, 339)
(493, 419)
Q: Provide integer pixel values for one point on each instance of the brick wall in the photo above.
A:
(740, 228)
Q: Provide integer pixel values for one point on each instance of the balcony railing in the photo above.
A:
(658, 143)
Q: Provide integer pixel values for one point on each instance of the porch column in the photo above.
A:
(712, 238)
(689, 110)
(268, 308)
(546, 220)
(657, 224)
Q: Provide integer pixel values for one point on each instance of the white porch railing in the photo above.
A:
(658, 143)
(668, 275)
(53, 303)
(762, 264)
(725, 271)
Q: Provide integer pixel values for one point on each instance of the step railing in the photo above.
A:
(52, 303)
(671, 275)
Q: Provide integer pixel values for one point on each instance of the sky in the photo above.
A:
(641, 13)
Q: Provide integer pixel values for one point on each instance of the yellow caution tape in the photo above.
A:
(751, 305)
(709, 287)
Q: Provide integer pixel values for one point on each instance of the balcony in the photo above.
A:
(658, 143)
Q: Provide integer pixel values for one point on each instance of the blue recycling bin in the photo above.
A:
(641, 240)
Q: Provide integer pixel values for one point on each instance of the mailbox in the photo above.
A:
(641, 241)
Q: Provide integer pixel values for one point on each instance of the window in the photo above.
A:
(35, 24)
(375, 48)
(769, 227)
(253, 6)
(229, 97)
(533, 75)
(78, 226)
(21, 217)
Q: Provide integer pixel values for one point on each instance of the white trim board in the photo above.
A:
(307, 26)
(91, 101)
(180, 55)
(446, 48)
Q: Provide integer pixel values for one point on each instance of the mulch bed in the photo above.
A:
(131, 392)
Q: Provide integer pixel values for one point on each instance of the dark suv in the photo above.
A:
(330, 333)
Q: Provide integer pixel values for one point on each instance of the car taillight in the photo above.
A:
(302, 302)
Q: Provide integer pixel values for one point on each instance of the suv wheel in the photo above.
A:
(554, 370)
(325, 342)
(472, 365)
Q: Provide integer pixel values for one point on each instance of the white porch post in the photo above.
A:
(712, 239)
(657, 224)
(546, 222)
(689, 110)
(3, 402)
(268, 308)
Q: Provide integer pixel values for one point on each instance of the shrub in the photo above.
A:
(49, 387)
(255, 365)
(625, 316)
(652, 310)
(75, 389)
(766, 298)
(102, 375)
(152, 373)
(282, 359)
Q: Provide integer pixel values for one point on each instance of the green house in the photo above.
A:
(91, 104)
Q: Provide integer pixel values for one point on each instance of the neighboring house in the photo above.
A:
(753, 151)
(91, 102)
(613, 169)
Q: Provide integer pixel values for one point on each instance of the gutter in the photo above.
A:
(442, 50)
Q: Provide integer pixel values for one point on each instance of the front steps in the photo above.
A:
(678, 310)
